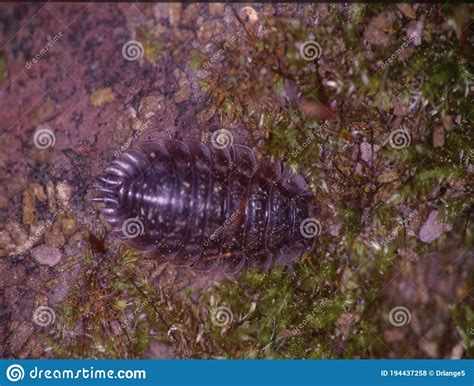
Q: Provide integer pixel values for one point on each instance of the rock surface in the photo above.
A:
(46, 255)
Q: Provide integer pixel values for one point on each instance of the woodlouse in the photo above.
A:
(208, 206)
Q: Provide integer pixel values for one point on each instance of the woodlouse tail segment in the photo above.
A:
(109, 190)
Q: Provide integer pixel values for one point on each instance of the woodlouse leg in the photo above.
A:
(235, 264)
(287, 255)
(213, 260)
(107, 181)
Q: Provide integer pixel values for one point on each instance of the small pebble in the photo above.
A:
(17, 232)
(248, 14)
(368, 151)
(64, 193)
(431, 229)
(29, 208)
(51, 196)
(45, 255)
(68, 226)
(54, 237)
(38, 191)
(216, 9)
(184, 92)
(190, 14)
(102, 96)
(210, 29)
(175, 13)
(151, 104)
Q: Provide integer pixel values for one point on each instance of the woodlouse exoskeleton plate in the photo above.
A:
(212, 208)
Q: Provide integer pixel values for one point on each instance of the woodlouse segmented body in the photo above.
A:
(194, 204)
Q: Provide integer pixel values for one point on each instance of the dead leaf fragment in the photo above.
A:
(375, 31)
(315, 109)
(407, 10)
(431, 228)
(102, 96)
(438, 136)
(387, 176)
